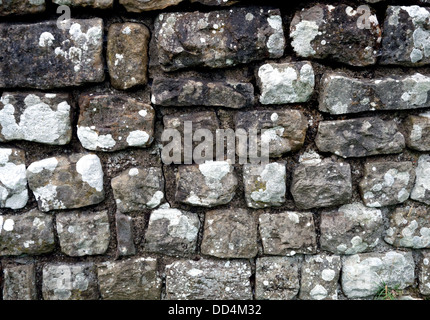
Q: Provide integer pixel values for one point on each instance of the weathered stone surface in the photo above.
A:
(417, 133)
(28, 233)
(41, 55)
(124, 235)
(208, 280)
(207, 185)
(405, 39)
(342, 94)
(19, 283)
(283, 130)
(83, 233)
(201, 92)
(409, 227)
(277, 278)
(97, 4)
(338, 33)
(216, 2)
(147, 5)
(351, 229)
(127, 55)
(265, 186)
(19, 7)
(317, 183)
(282, 83)
(421, 190)
(70, 282)
(138, 189)
(66, 182)
(361, 137)
(13, 180)
(132, 279)
(114, 122)
(386, 183)
(363, 274)
(218, 39)
(319, 277)
(230, 233)
(172, 232)
(424, 274)
(288, 233)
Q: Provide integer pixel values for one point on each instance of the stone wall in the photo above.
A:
(338, 89)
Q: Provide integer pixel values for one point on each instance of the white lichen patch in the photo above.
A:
(91, 140)
(421, 190)
(45, 164)
(155, 200)
(214, 172)
(303, 35)
(90, 169)
(46, 39)
(276, 42)
(273, 176)
(416, 89)
(138, 138)
(180, 225)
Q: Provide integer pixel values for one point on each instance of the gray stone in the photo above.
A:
(210, 184)
(97, 4)
(340, 33)
(218, 39)
(386, 183)
(131, 279)
(44, 56)
(288, 233)
(365, 273)
(418, 132)
(277, 278)
(83, 233)
(19, 7)
(172, 231)
(319, 277)
(66, 182)
(409, 227)
(421, 190)
(216, 2)
(138, 189)
(147, 5)
(124, 235)
(70, 282)
(208, 279)
(28, 233)
(230, 233)
(265, 186)
(424, 274)
(101, 127)
(321, 183)
(38, 117)
(13, 179)
(351, 229)
(184, 92)
(282, 83)
(342, 94)
(361, 137)
(19, 283)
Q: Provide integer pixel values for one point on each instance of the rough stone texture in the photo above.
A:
(97, 4)
(218, 39)
(417, 133)
(138, 189)
(217, 2)
(66, 182)
(185, 92)
(30, 233)
(405, 39)
(83, 233)
(13, 180)
(70, 282)
(19, 283)
(124, 235)
(359, 137)
(321, 183)
(208, 279)
(283, 130)
(127, 54)
(336, 33)
(148, 5)
(288, 233)
(386, 183)
(421, 190)
(265, 186)
(132, 279)
(20, 7)
(101, 127)
(409, 227)
(319, 277)
(351, 229)
(277, 278)
(206, 185)
(74, 55)
(230, 233)
(424, 274)
(363, 274)
(172, 232)
(341, 94)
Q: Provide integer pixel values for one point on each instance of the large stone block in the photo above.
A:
(19, 283)
(421, 190)
(19, 7)
(97, 4)
(147, 5)
(417, 132)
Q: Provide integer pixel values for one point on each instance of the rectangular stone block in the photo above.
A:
(19, 283)
(421, 190)
(97, 4)
(20, 7)
(147, 5)
(417, 132)
(124, 235)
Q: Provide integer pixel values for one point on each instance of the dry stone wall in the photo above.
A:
(96, 202)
